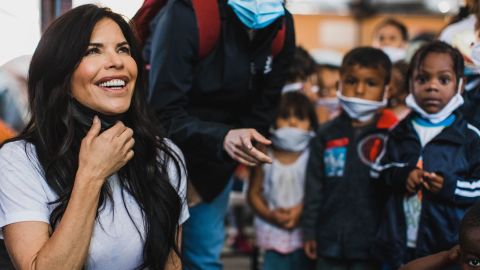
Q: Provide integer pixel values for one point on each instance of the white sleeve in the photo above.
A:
(22, 194)
(173, 177)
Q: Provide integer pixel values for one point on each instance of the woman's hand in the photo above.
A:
(238, 144)
(101, 155)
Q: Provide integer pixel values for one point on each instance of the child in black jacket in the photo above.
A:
(432, 163)
(342, 206)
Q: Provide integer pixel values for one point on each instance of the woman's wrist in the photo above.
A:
(86, 179)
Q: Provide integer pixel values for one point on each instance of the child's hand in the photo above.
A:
(415, 179)
(279, 217)
(454, 253)
(432, 182)
(295, 214)
(310, 248)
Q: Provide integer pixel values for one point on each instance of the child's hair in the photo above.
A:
(368, 57)
(470, 221)
(402, 68)
(296, 103)
(437, 47)
(303, 65)
(395, 23)
(327, 66)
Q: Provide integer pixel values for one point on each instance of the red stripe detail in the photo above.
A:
(208, 21)
(375, 149)
(337, 143)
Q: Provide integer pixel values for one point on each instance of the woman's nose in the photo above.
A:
(113, 61)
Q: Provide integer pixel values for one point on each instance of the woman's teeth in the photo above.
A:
(113, 83)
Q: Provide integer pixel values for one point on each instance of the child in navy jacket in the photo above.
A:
(432, 163)
(342, 206)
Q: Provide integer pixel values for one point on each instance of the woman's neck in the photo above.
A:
(84, 115)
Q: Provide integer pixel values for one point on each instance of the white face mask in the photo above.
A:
(291, 139)
(331, 103)
(314, 88)
(292, 87)
(360, 109)
(452, 105)
(395, 54)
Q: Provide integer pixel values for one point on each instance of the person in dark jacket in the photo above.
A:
(217, 108)
(432, 162)
(342, 205)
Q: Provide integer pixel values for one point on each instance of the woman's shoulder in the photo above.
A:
(17, 150)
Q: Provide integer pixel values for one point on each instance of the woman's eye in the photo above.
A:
(475, 263)
(124, 50)
(92, 51)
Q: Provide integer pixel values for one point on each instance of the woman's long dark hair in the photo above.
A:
(57, 136)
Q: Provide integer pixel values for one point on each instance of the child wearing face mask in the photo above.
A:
(342, 205)
(276, 190)
(432, 163)
(391, 36)
(301, 75)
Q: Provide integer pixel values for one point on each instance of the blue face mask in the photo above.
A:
(257, 14)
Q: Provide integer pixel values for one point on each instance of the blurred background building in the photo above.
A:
(328, 24)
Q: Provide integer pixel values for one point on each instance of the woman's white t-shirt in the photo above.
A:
(116, 242)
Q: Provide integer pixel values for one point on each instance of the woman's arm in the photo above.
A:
(31, 245)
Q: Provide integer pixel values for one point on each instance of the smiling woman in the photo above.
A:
(105, 78)
(91, 182)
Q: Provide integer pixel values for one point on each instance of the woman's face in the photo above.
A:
(105, 78)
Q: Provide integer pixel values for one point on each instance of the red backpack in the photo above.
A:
(208, 21)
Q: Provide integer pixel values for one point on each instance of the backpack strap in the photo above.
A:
(144, 16)
(279, 40)
(209, 24)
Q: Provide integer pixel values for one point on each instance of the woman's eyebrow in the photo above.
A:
(96, 44)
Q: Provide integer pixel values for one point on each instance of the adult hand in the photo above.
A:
(103, 154)
(415, 179)
(433, 182)
(310, 248)
(238, 143)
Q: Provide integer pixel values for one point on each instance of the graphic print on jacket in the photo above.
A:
(334, 157)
